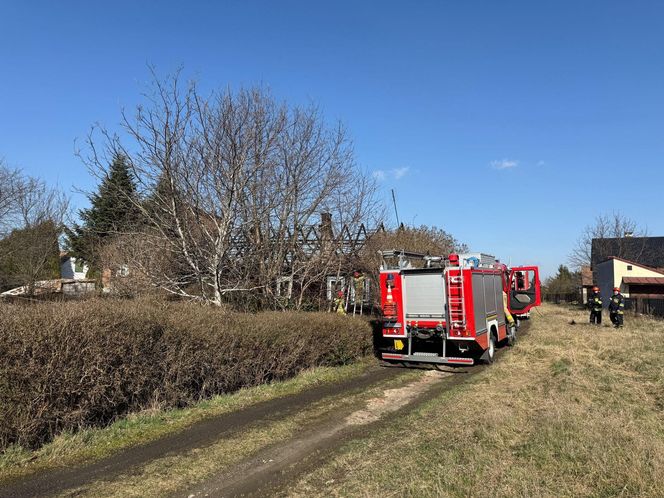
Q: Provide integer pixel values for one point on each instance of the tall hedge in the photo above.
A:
(69, 365)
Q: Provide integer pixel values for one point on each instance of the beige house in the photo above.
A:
(629, 277)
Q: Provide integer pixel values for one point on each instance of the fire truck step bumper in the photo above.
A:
(428, 358)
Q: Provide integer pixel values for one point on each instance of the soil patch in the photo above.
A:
(276, 467)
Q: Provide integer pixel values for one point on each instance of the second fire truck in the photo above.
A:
(451, 310)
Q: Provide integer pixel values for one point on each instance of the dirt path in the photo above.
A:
(200, 435)
(277, 466)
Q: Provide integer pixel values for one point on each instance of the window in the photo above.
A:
(629, 267)
(366, 292)
(79, 265)
(523, 280)
(334, 285)
(285, 287)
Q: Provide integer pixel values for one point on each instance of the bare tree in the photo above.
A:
(314, 173)
(12, 188)
(613, 235)
(423, 239)
(39, 203)
(26, 201)
(32, 216)
(227, 182)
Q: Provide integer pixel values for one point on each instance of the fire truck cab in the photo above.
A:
(450, 310)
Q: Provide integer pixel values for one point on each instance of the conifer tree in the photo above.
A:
(112, 211)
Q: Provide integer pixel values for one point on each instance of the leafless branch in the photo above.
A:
(227, 183)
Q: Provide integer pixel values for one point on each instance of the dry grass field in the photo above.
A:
(572, 410)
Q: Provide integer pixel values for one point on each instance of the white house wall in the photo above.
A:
(68, 270)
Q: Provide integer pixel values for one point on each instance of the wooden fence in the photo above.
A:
(571, 297)
(645, 306)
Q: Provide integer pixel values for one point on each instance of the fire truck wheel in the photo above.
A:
(490, 353)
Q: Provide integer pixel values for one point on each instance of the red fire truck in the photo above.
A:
(450, 310)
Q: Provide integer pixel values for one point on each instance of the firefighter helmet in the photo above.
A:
(595, 289)
(616, 289)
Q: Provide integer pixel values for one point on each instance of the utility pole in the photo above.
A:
(394, 201)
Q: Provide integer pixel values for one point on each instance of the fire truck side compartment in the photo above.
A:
(487, 300)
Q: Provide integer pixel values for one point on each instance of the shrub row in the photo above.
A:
(64, 366)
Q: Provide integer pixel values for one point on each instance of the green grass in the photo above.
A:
(91, 444)
(572, 410)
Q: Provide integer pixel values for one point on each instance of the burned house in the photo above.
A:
(339, 258)
(274, 265)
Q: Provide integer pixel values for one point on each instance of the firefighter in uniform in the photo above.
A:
(595, 305)
(508, 316)
(617, 308)
(340, 303)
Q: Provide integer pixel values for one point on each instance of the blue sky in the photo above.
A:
(509, 124)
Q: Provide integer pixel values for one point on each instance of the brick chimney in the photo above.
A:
(326, 226)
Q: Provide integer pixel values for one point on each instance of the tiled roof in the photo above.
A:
(644, 280)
